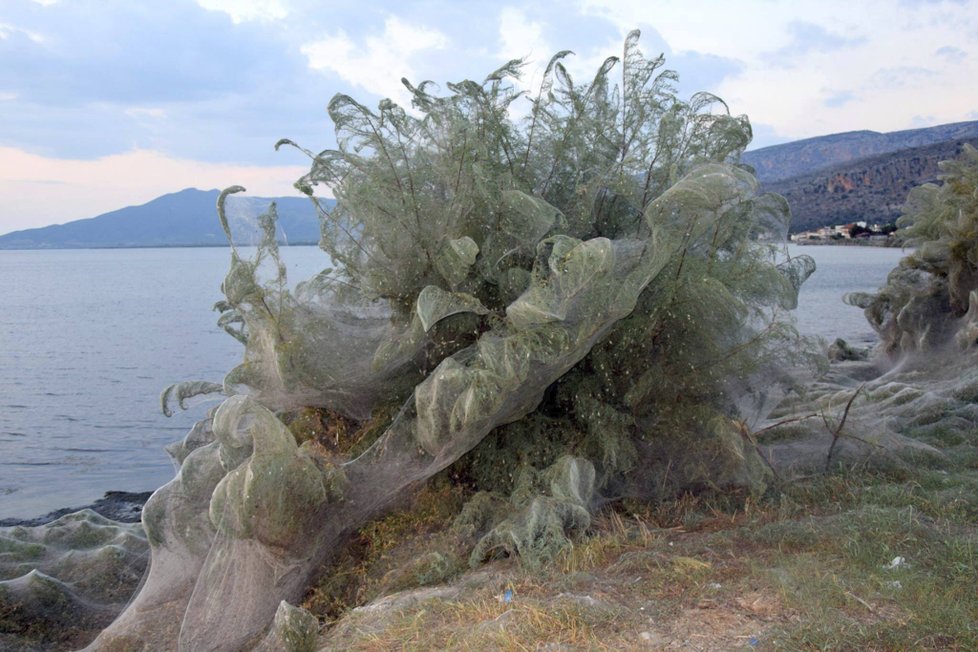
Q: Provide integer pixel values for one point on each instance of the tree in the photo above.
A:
(931, 297)
(586, 301)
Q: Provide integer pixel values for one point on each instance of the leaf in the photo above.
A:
(435, 304)
(526, 218)
(454, 260)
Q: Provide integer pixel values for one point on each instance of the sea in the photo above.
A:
(90, 337)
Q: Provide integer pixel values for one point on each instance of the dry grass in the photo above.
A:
(809, 566)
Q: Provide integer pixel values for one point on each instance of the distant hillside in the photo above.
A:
(834, 179)
(185, 218)
(872, 189)
(802, 157)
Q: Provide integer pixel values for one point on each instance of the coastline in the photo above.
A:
(848, 242)
(121, 506)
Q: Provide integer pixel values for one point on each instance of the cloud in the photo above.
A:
(378, 63)
(9, 32)
(923, 121)
(840, 98)
(152, 113)
(131, 52)
(219, 81)
(188, 81)
(702, 72)
(951, 54)
(47, 190)
(809, 37)
(242, 11)
(792, 56)
(909, 76)
(171, 77)
(520, 36)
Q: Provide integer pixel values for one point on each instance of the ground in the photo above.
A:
(854, 560)
(842, 557)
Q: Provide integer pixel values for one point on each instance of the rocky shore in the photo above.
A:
(121, 506)
(890, 243)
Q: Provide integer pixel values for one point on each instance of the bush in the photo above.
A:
(931, 297)
(594, 297)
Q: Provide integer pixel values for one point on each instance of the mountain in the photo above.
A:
(807, 156)
(873, 189)
(834, 179)
(857, 175)
(185, 218)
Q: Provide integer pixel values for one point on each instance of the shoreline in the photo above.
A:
(881, 244)
(121, 506)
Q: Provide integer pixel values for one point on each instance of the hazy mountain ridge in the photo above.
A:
(808, 156)
(833, 179)
(184, 218)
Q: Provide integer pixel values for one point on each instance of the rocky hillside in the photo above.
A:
(872, 189)
(803, 157)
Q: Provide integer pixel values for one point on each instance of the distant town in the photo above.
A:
(852, 233)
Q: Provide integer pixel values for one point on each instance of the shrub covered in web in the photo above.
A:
(448, 215)
(588, 301)
(931, 297)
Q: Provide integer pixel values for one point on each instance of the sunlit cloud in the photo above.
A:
(242, 11)
(9, 31)
(378, 62)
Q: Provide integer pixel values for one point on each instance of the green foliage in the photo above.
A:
(932, 295)
(608, 236)
(547, 507)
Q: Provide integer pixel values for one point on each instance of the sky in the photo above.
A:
(109, 103)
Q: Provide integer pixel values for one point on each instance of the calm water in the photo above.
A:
(841, 270)
(89, 338)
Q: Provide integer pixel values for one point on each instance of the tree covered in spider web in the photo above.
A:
(931, 298)
(572, 293)
(446, 213)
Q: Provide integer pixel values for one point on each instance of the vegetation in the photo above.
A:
(932, 296)
(867, 556)
(590, 299)
(852, 560)
(529, 319)
(546, 345)
(458, 222)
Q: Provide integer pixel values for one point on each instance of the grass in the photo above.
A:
(410, 547)
(859, 560)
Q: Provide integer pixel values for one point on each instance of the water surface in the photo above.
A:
(840, 270)
(89, 338)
